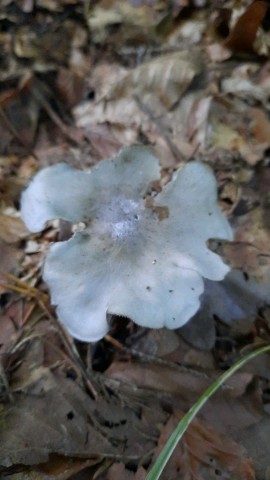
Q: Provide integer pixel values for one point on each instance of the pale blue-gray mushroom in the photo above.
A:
(134, 258)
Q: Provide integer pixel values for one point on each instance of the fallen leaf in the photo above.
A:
(183, 382)
(243, 34)
(256, 441)
(57, 417)
(9, 261)
(232, 129)
(137, 21)
(12, 229)
(203, 454)
(165, 78)
(70, 86)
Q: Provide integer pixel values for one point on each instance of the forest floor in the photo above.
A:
(78, 80)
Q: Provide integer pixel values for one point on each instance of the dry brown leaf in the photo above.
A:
(9, 261)
(250, 250)
(137, 103)
(138, 21)
(159, 84)
(232, 415)
(242, 36)
(70, 86)
(247, 288)
(255, 439)
(56, 416)
(12, 229)
(103, 141)
(231, 127)
(240, 85)
(260, 127)
(204, 454)
(165, 78)
(183, 383)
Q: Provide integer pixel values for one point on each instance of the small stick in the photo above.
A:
(28, 313)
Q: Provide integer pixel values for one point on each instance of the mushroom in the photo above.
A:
(129, 260)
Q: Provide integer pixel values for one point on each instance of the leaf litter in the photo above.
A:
(78, 81)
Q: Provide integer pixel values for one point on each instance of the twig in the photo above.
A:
(28, 314)
(23, 287)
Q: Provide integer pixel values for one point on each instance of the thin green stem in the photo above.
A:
(164, 456)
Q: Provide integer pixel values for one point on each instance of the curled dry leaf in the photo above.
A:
(165, 78)
(159, 84)
(243, 34)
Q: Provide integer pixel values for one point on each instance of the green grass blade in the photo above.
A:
(164, 456)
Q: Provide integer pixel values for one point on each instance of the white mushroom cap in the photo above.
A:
(127, 261)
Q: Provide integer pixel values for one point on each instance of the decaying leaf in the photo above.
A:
(165, 79)
(255, 439)
(205, 454)
(180, 381)
(56, 416)
(244, 32)
(134, 20)
(227, 132)
(9, 259)
(12, 229)
(158, 84)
